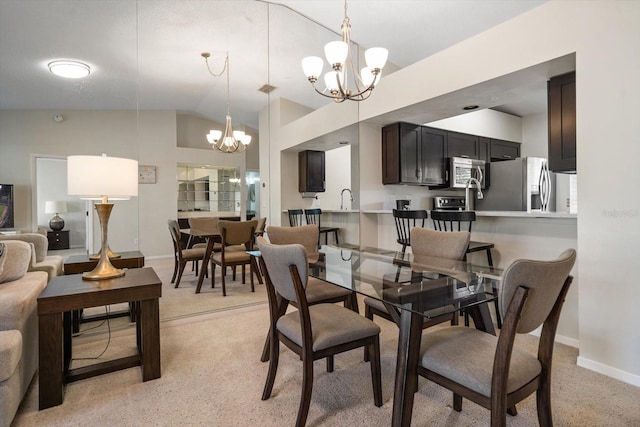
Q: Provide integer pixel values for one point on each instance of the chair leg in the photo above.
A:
(253, 288)
(224, 285)
(369, 315)
(213, 275)
(330, 363)
(180, 270)
(244, 280)
(335, 234)
(234, 273)
(175, 269)
(376, 376)
(197, 263)
(543, 402)
(274, 350)
(307, 388)
(457, 402)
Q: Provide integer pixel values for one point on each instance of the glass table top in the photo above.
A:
(425, 285)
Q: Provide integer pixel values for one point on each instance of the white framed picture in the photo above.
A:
(146, 174)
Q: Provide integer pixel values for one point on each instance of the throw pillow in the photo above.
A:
(16, 258)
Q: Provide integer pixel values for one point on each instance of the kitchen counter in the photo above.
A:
(334, 211)
(507, 214)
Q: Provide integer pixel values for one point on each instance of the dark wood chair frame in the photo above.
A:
(500, 403)
(224, 264)
(179, 260)
(312, 216)
(453, 221)
(405, 220)
(305, 352)
(296, 217)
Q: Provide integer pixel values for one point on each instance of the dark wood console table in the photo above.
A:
(64, 294)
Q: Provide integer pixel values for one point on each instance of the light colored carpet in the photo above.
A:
(211, 375)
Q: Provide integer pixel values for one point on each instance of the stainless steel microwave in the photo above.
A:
(462, 169)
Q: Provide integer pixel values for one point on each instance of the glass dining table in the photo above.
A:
(412, 289)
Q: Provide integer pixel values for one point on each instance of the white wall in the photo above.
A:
(488, 123)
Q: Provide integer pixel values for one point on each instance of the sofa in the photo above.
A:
(40, 261)
(19, 291)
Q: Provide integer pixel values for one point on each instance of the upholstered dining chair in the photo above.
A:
(209, 225)
(463, 221)
(182, 256)
(495, 373)
(405, 220)
(236, 239)
(317, 291)
(313, 216)
(431, 243)
(312, 332)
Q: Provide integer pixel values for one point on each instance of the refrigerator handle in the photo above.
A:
(545, 187)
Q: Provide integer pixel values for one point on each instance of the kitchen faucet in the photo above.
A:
(341, 198)
(466, 192)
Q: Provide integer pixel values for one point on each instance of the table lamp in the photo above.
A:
(55, 207)
(102, 178)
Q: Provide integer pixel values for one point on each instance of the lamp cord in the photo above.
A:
(107, 312)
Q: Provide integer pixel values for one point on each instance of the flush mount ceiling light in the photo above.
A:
(337, 81)
(230, 141)
(69, 69)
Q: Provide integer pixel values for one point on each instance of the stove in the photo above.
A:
(448, 203)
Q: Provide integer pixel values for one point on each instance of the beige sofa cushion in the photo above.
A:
(16, 257)
(39, 241)
(10, 352)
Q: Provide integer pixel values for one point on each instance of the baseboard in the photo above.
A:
(571, 342)
(609, 371)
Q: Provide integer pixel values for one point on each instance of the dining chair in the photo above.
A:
(236, 239)
(182, 256)
(493, 372)
(209, 225)
(317, 291)
(431, 243)
(313, 331)
(296, 217)
(312, 216)
(462, 221)
(405, 220)
(262, 222)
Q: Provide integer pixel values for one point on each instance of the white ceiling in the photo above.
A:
(146, 54)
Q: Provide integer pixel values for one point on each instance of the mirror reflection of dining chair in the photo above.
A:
(182, 256)
(317, 291)
(496, 374)
(429, 243)
(312, 216)
(313, 331)
(236, 239)
(206, 225)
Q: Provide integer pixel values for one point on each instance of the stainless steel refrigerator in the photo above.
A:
(523, 184)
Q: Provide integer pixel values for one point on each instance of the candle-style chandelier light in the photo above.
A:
(337, 81)
(230, 141)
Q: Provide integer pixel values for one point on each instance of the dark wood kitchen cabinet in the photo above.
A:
(311, 171)
(504, 150)
(561, 91)
(413, 154)
(462, 145)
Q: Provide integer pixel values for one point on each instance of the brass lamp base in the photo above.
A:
(112, 255)
(104, 269)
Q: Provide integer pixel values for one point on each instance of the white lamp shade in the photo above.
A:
(246, 139)
(336, 52)
(238, 134)
(367, 76)
(312, 66)
(376, 57)
(331, 81)
(55, 207)
(213, 136)
(93, 177)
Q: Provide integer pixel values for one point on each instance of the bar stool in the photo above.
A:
(462, 221)
(405, 220)
(296, 217)
(313, 217)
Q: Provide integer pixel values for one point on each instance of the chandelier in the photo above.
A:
(337, 81)
(230, 141)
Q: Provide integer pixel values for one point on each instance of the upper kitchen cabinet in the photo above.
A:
(413, 154)
(462, 145)
(561, 91)
(504, 150)
(311, 171)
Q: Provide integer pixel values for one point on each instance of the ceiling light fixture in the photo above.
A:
(230, 141)
(69, 69)
(337, 81)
